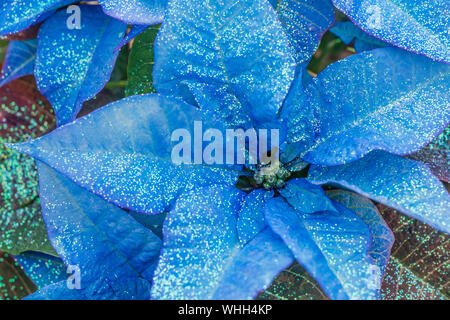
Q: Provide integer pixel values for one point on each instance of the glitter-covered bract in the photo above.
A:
(251, 215)
(305, 21)
(348, 32)
(332, 246)
(228, 230)
(135, 12)
(17, 15)
(417, 26)
(382, 237)
(306, 197)
(122, 152)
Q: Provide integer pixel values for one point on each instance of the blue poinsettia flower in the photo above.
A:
(231, 65)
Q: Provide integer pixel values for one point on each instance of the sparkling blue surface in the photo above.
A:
(299, 117)
(19, 60)
(122, 152)
(403, 184)
(202, 257)
(349, 32)
(306, 197)
(72, 66)
(382, 236)
(251, 215)
(417, 26)
(386, 99)
(17, 15)
(135, 12)
(98, 238)
(234, 63)
(305, 21)
(331, 246)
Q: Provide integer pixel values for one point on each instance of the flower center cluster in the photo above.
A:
(271, 176)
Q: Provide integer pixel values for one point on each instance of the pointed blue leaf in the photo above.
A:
(43, 270)
(299, 116)
(57, 291)
(305, 22)
(123, 152)
(394, 101)
(108, 246)
(403, 184)
(251, 215)
(349, 32)
(135, 12)
(19, 60)
(417, 26)
(306, 197)
(332, 246)
(382, 237)
(17, 15)
(202, 257)
(231, 57)
(73, 65)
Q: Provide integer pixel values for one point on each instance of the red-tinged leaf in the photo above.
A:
(24, 114)
(26, 34)
(420, 262)
(14, 283)
(436, 156)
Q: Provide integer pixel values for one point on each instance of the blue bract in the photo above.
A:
(417, 26)
(349, 32)
(82, 63)
(394, 101)
(236, 65)
(18, 15)
(305, 23)
(135, 12)
(19, 61)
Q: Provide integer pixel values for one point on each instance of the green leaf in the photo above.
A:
(140, 65)
(24, 114)
(420, 260)
(14, 283)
